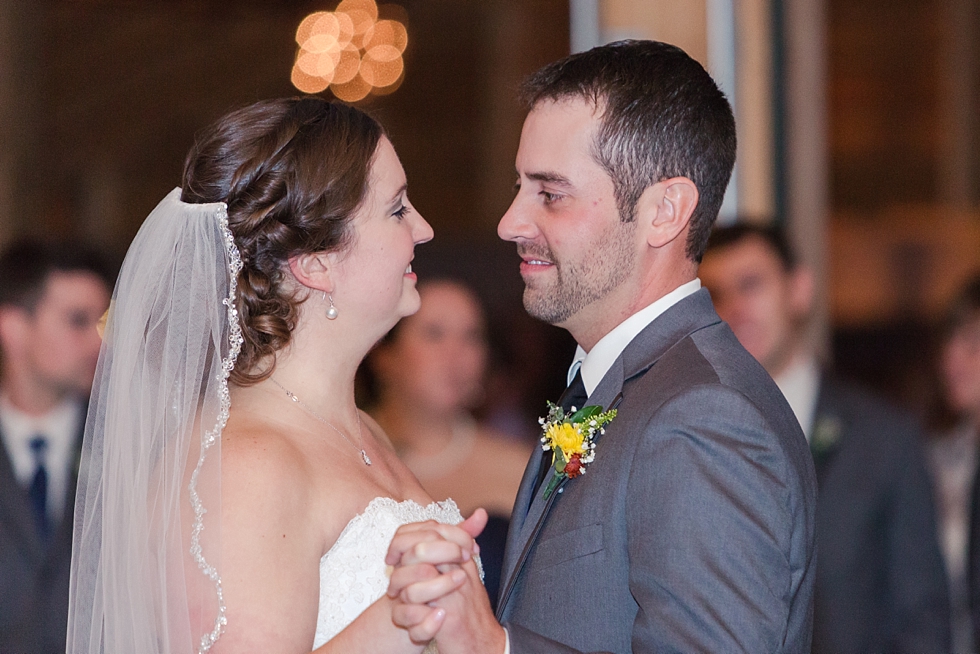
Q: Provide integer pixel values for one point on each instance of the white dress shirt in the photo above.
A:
(596, 363)
(60, 428)
(800, 384)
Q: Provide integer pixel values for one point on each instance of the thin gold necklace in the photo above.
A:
(309, 409)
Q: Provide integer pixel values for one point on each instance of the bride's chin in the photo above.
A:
(411, 303)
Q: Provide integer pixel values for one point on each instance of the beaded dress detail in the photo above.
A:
(353, 574)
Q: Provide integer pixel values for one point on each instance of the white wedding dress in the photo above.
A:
(353, 574)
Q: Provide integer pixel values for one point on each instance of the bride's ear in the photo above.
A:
(313, 270)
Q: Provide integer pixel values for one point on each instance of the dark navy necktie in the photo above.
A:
(38, 491)
(574, 396)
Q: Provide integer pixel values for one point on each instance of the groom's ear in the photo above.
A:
(664, 211)
(313, 270)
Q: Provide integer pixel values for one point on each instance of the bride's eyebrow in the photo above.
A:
(398, 194)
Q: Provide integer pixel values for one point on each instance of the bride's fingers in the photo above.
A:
(417, 548)
(430, 590)
(421, 622)
(403, 576)
(437, 552)
(407, 536)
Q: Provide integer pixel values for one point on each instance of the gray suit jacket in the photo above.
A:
(33, 579)
(693, 529)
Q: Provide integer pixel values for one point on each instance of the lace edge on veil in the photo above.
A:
(212, 436)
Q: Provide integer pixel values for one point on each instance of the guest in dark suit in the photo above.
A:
(692, 529)
(953, 456)
(881, 585)
(51, 298)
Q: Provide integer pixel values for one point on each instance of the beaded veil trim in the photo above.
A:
(212, 436)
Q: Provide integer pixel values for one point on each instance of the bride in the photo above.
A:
(232, 496)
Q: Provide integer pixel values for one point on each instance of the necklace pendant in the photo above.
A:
(367, 460)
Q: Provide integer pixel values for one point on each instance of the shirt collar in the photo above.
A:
(596, 363)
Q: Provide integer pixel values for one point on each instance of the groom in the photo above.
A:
(693, 528)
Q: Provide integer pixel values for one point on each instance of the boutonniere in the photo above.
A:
(571, 440)
(826, 434)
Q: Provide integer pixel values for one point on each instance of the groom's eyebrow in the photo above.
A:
(549, 177)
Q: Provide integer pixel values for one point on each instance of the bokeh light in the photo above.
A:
(350, 51)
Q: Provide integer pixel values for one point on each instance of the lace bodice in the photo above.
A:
(353, 573)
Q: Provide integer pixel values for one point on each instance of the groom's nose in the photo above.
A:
(516, 223)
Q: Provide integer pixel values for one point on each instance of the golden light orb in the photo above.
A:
(387, 32)
(305, 29)
(388, 90)
(354, 90)
(380, 72)
(308, 83)
(369, 7)
(350, 51)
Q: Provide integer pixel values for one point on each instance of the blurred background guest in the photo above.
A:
(881, 586)
(428, 375)
(953, 458)
(51, 297)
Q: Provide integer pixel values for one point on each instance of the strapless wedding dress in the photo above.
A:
(353, 574)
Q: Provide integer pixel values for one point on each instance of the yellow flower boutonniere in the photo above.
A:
(571, 439)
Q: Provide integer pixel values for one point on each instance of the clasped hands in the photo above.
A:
(436, 590)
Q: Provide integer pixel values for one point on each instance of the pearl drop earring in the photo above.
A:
(332, 312)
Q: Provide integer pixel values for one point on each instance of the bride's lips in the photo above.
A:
(409, 273)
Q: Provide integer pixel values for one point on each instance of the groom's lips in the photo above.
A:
(531, 265)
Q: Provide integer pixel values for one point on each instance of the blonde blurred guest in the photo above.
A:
(953, 462)
(429, 373)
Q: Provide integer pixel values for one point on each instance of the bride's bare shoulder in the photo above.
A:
(259, 458)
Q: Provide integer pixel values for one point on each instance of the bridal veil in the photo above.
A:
(147, 533)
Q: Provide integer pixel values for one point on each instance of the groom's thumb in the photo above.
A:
(474, 524)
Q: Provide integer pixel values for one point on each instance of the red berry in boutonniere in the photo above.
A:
(574, 466)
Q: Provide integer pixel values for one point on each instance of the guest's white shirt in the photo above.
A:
(596, 363)
(60, 427)
(800, 384)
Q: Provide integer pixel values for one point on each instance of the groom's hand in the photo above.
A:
(428, 556)
(437, 588)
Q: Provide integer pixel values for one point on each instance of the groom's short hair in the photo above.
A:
(662, 116)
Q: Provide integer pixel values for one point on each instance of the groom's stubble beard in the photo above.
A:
(577, 284)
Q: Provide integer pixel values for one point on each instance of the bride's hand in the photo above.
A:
(433, 542)
(428, 557)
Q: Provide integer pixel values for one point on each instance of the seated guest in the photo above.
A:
(429, 374)
(880, 583)
(953, 457)
(51, 298)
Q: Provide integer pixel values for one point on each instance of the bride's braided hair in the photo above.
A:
(292, 172)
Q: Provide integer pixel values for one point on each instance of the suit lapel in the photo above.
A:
(522, 536)
(530, 513)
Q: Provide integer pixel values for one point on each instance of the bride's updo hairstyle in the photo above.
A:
(293, 172)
